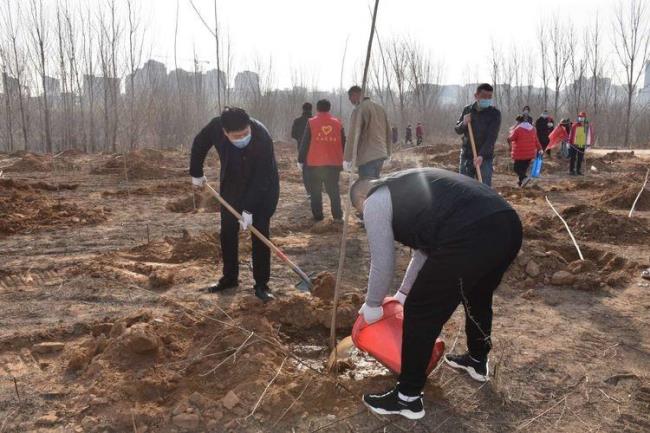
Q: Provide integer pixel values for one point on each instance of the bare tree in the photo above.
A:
(542, 39)
(632, 43)
(593, 48)
(399, 67)
(578, 69)
(39, 39)
(5, 85)
(75, 76)
(559, 58)
(136, 41)
(496, 61)
(17, 68)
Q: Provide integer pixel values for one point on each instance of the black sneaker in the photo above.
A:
(478, 370)
(579, 173)
(572, 173)
(390, 404)
(223, 285)
(525, 181)
(263, 293)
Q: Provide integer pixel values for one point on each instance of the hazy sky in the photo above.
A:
(309, 35)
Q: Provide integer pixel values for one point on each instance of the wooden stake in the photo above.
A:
(567, 228)
(645, 182)
(474, 153)
(348, 204)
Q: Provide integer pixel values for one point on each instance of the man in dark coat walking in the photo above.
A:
(297, 131)
(249, 182)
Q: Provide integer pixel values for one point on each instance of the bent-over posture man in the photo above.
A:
(463, 236)
(249, 182)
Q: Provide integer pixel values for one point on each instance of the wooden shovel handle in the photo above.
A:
(278, 252)
(473, 143)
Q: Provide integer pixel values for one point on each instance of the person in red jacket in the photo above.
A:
(419, 133)
(524, 147)
(321, 153)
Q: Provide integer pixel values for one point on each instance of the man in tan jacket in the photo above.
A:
(374, 145)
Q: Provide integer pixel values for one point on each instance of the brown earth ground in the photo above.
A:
(104, 327)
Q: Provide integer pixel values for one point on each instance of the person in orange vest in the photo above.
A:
(321, 154)
(524, 147)
(579, 139)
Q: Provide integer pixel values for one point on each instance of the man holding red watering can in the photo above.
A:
(464, 236)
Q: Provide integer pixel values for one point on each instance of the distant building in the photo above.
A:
(12, 86)
(150, 77)
(52, 87)
(214, 80)
(247, 83)
(96, 86)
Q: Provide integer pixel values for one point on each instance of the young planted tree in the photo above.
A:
(632, 46)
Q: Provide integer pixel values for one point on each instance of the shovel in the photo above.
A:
(473, 143)
(305, 283)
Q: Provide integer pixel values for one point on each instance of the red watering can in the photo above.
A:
(383, 339)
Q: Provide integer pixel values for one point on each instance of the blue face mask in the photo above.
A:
(484, 103)
(242, 142)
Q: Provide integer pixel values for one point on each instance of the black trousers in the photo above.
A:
(316, 177)
(521, 168)
(305, 181)
(230, 247)
(466, 269)
(576, 156)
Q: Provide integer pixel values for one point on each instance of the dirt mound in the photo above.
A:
(597, 224)
(23, 209)
(30, 162)
(23, 186)
(164, 189)
(449, 159)
(623, 197)
(516, 193)
(179, 249)
(324, 284)
(168, 370)
(558, 264)
(72, 152)
(200, 202)
(139, 165)
(617, 156)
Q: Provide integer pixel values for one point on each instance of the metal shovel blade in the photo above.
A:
(304, 286)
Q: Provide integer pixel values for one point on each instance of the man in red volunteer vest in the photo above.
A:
(321, 153)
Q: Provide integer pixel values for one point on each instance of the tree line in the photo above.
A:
(76, 77)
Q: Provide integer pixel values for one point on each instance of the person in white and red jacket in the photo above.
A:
(321, 154)
(524, 147)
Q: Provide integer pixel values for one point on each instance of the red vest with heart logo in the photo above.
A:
(326, 146)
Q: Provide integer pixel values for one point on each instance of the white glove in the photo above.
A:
(400, 297)
(246, 220)
(371, 314)
(347, 166)
(299, 165)
(199, 181)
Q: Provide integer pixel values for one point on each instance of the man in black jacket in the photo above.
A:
(249, 181)
(544, 126)
(297, 131)
(486, 122)
(464, 236)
